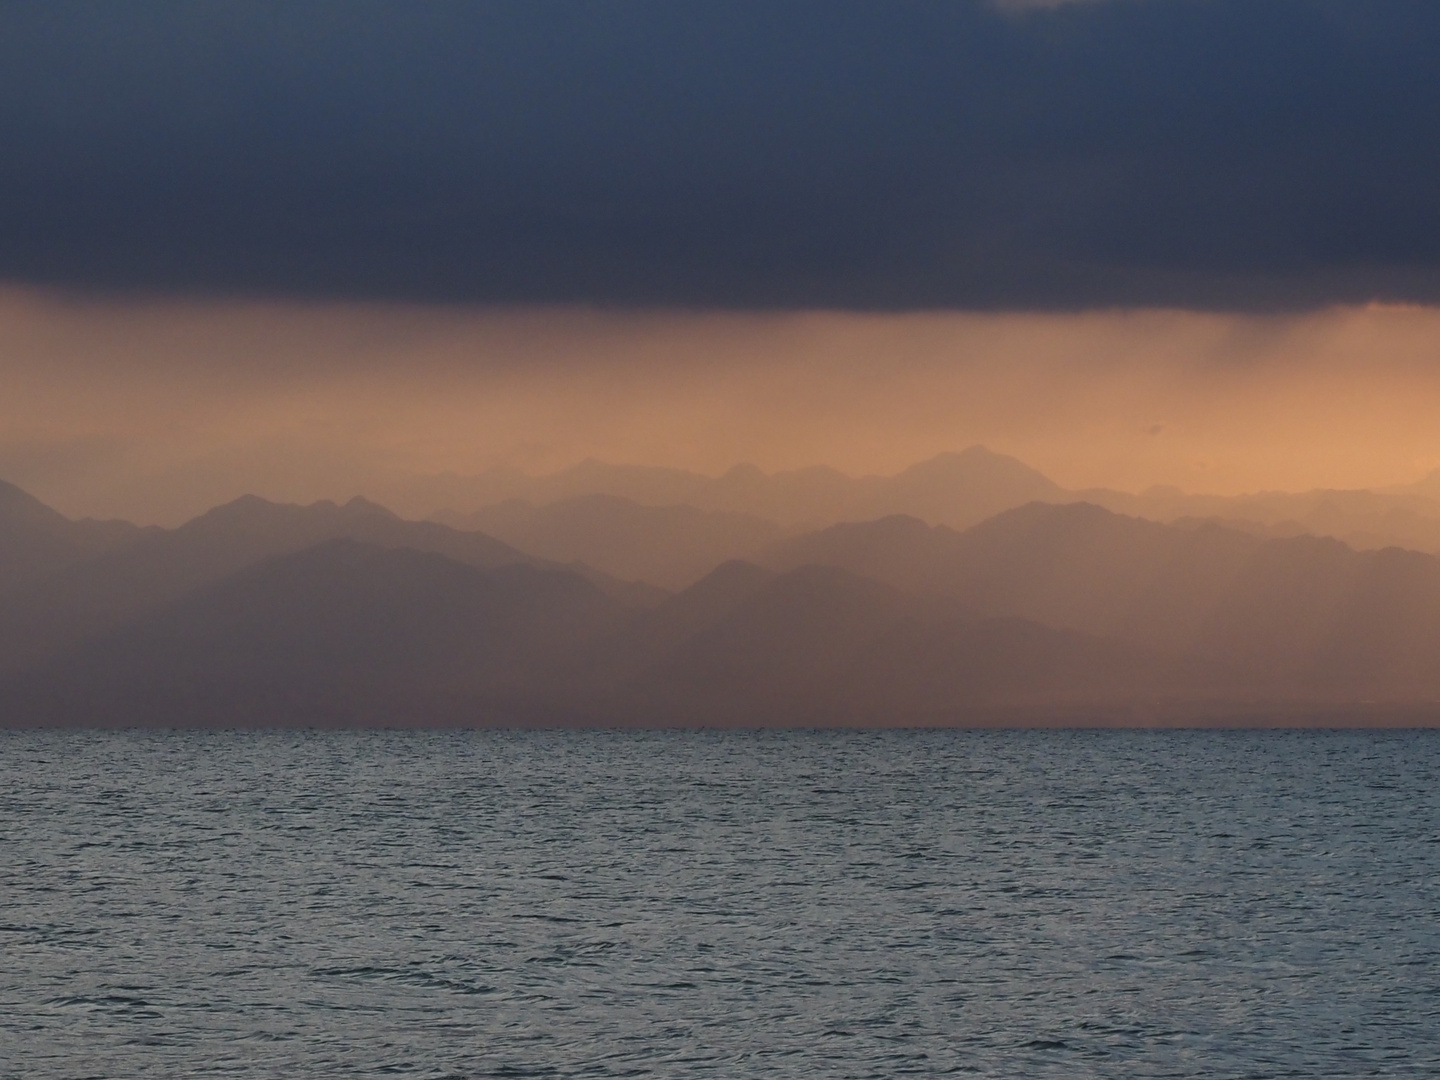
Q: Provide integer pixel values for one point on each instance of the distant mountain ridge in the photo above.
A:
(818, 645)
(669, 527)
(1304, 615)
(94, 595)
(258, 613)
(669, 546)
(957, 489)
(36, 541)
(341, 633)
(346, 633)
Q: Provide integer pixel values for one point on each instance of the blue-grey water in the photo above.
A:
(557, 904)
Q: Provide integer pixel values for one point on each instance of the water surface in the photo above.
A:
(494, 904)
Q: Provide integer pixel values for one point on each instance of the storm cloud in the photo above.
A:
(1224, 154)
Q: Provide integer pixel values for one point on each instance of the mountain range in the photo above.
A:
(70, 599)
(956, 489)
(36, 541)
(1302, 616)
(608, 515)
(258, 613)
(669, 546)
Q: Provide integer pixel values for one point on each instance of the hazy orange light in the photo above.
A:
(158, 409)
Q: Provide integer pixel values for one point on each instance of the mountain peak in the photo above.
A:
(20, 506)
(1066, 515)
(257, 506)
(978, 464)
(360, 506)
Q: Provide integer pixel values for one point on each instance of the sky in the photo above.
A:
(304, 249)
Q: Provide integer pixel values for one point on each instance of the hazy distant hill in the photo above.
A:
(258, 613)
(341, 633)
(956, 488)
(1304, 614)
(349, 633)
(95, 595)
(820, 645)
(36, 541)
(1370, 520)
(1427, 486)
(670, 546)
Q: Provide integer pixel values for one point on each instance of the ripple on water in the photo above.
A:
(492, 904)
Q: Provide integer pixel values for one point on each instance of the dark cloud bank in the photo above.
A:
(1206, 153)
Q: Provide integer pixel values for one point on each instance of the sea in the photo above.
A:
(474, 904)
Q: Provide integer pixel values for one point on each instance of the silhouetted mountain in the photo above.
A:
(957, 488)
(349, 633)
(341, 633)
(257, 613)
(646, 485)
(1300, 615)
(36, 541)
(1428, 487)
(1365, 520)
(903, 551)
(963, 489)
(669, 546)
(821, 645)
(106, 591)
(623, 659)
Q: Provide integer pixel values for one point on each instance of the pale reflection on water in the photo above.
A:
(1067, 904)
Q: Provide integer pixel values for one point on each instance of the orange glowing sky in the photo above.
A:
(157, 410)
